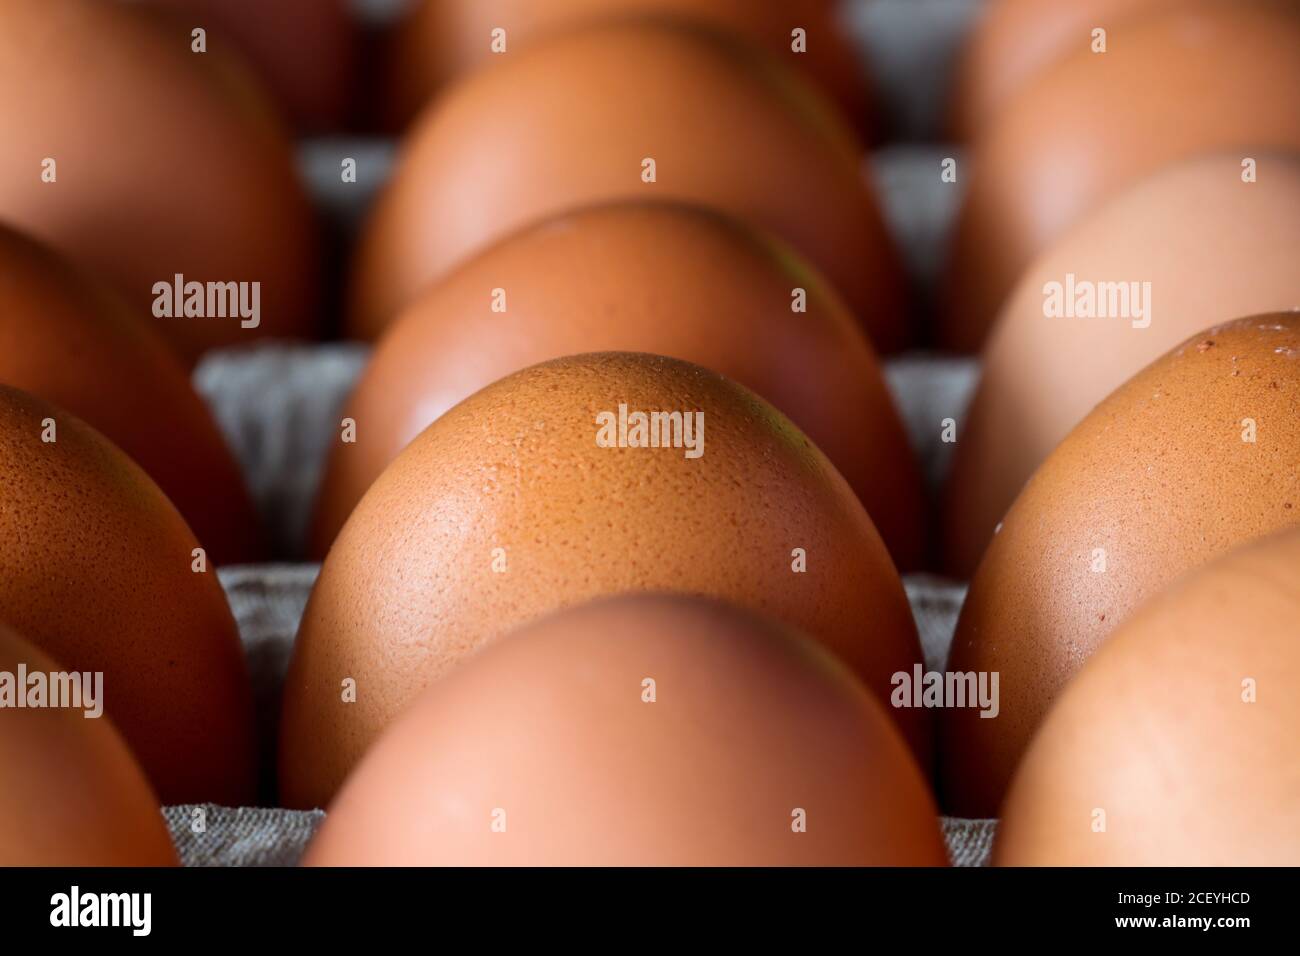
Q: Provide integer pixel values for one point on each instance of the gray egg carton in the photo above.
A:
(278, 405)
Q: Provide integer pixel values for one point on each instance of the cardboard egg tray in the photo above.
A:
(279, 404)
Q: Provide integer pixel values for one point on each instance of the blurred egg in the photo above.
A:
(1182, 730)
(643, 110)
(547, 489)
(647, 277)
(98, 572)
(1014, 41)
(1198, 452)
(1200, 77)
(441, 39)
(305, 50)
(145, 161)
(73, 795)
(67, 340)
(644, 731)
(1162, 246)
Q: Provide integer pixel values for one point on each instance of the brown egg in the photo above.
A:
(646, 277)
(73, 795)
(305, 50)
(641, 731)
(530, 496)
(73, 343)
(144, 161)
(1043, 375)
(1014, 41)
(593, 114)
(1179, 736)
(1195, 454)
(442, 39)
(96, 570)
(1168, 88)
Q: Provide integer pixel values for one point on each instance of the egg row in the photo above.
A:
(1115, 155)
(613, 107)
(449, 214)
(1148, 85)
(1128, 184)
(1129, 188)
(679, 111)
(649, 277)
(733, 132)
(652, 730)
(1195, 455)
(512, 507)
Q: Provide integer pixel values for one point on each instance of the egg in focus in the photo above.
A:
(1197, 453)
(531, 496)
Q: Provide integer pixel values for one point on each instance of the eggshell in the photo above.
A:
(641, 731)
(1207, 243)
(1169, 87)
(1157, 480)
(73, 795)
(95, 569)
(1182, 730)
(442, 39)
(167, 163)
(304, 50)
(649, 277)
(71, 342)
(506, 508)
(1014, 41)
(570, 122)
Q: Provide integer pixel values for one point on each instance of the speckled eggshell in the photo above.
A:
(304, 50)
(1157, 480)
(1208, 244)
(442, 39)
(69, 341)
(642, 731)
(95, 569)
(506, 508)
(166, 162)
(1200, 77)
(73, 795)
(646, 277)
(571, 122)
(1014, 41)
(1182, 730)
